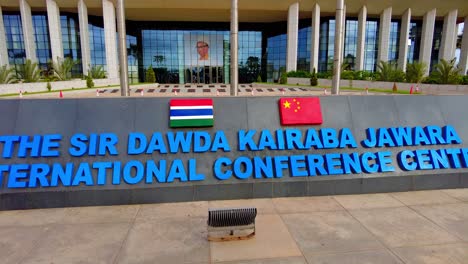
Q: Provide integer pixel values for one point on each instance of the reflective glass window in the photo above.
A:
(14, 38)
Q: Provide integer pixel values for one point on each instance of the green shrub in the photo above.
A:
(89, 82)
(415, 72)
(49, 86)
(446, 72)
(6, 75)
(298, 74)
(347, 75)
(97, 72)
(324, 75)
(464, 80)
(259, 79)
(28, 72)
(388, 72)
(431, 79)
(150, 76)
(283, 78)
(313, 78)
(62, 68)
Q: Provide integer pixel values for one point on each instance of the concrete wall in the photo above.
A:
(148, 115)
(61, 85)
(425, 88)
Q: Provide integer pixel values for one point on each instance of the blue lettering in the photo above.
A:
(136, 143)
(369, 168)
(193, 176)
(263, 167)
(439, 158)
(247, 140)
(450, 135)
(280, 165)
(347, 139)
(316, 166)
(200, 137)
(298, 166)
(139, 172)
(243, 168)
(177, 171)
(385, 138)
(156, 144)
(351, 163)
(9, 145)
(401, 136)
(78, 146)
(83, 174)
(102, 173)
(403, 158)
(312, 140)
(384, 159)
(217, 169)
(18, 172)
(420, 137)
(50, 142)
(34, 146)
(293, 139)
(39, 173)
(153, 171)
(107, 142)
(333, 163)
(220, 142)
(266, 141)
(371, 140)
(435, 135)
(182, 141)
(65, 176)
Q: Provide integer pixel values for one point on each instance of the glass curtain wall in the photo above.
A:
(414, 41)
(438, 27)
(372, 45)
(350, 44)
(394, 42)
(71, 41)
(303, 49)
(41, 35)
(14, 38)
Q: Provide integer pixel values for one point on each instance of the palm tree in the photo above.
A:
(29, 72)
(62, 68)
(415, 72)
(384, 71)
(446, 72)
(6, 75)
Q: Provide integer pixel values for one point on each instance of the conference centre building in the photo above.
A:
(188, 41)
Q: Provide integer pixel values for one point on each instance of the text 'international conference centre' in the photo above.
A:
(188, 41)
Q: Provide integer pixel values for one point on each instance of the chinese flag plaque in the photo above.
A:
(300, 111)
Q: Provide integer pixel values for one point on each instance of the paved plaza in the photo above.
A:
(410, 227)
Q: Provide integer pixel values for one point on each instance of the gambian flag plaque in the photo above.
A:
(191, 113)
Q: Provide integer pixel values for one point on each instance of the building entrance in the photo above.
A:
(205, 74)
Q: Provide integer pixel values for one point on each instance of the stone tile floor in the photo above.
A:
(410, 227)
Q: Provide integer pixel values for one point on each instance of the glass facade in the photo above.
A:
(41, 35)
(97, 45)
(303, 49)
(326, 44)
(14, 38)
(394, 42)
(185, 52)
(350, 47)
(414, 41)
(276, 57)
(438, 27)
(372, 45)
(71, 41)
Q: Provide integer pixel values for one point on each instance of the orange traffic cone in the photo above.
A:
(21, 94)
(61, 94)
(175, 92)
(367, 90)
(142, 93)
(411, 90)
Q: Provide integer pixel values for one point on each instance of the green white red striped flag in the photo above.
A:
(191, 113)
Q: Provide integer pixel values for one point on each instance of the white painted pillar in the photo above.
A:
(427, 36)
(3, 44)
(293, 28)
(28, 31)
(449, 31)
(384, 34)
(404, 36)
(337, 59)
(55, 30)
(361, 41)
(84, 36)
(464, 49)
(315, 38)
(110, 39)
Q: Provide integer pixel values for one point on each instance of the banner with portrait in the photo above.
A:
(203, 49)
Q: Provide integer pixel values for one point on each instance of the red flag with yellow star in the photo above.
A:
(300, 111)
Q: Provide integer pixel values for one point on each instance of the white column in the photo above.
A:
(315, 38)
(55, 30)
(427, 36)
(84, 36)
(337, 59)
(110, 38)
(384, 34)
(404, 35)
(448, 43)
(464, 49)
(3, 45)
(28, 31)
(293, 28)
(361, 42)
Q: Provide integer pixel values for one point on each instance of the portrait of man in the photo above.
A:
(203, 50)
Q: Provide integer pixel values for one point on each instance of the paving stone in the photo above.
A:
(367, 201)
(17, 242)
(374, 256)
(440, 254)
(306, 204)
(329, 232)
(424, 197)
(271, 240)
(401, 226)
(460, 194)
